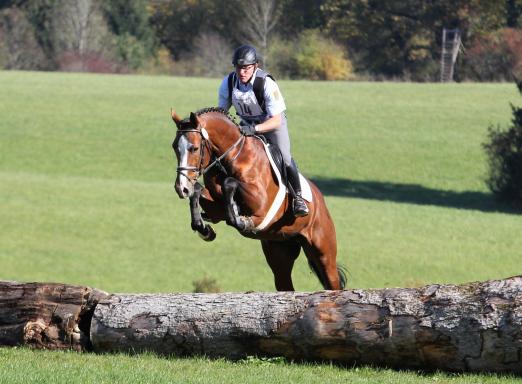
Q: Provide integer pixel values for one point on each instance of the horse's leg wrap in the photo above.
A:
(247, 223)
(205, 231)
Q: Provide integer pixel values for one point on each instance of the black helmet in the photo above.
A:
(245, 55)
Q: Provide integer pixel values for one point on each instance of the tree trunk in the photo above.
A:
(51, 316)
(471, 327)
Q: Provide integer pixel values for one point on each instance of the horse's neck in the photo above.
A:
(223, 134)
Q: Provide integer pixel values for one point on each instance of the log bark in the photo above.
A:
(46, 315)
(471, 327)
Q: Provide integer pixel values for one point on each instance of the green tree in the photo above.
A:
(177, 23)
(128, 20)
(513, 12)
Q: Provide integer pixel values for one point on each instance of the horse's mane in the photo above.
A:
(203, 111)
(185, 123)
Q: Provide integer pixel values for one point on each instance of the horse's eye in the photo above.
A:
(194, 149)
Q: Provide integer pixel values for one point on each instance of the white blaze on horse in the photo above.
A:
(242, 187)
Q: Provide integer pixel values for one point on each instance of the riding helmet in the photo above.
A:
(245, 55)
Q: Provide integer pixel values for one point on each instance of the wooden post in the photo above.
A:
(470, 327)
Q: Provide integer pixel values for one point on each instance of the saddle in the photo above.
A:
(277, 156)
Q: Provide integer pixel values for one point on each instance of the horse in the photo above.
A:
(239, 187)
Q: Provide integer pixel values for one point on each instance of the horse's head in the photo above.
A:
(189, 146)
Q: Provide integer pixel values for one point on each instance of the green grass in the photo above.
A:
(68, 367)
(86, 197)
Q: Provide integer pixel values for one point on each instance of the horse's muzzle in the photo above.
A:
(184, 190)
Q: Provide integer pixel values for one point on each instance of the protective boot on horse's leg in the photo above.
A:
(299, 205)
(205, 231)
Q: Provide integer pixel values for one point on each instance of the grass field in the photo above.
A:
(86, 197)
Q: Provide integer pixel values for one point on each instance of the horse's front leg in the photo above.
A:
(233, 217)
(205, 231)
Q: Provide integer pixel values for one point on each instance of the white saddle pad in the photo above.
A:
(281, 193)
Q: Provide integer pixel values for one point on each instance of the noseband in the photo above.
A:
(200, 170)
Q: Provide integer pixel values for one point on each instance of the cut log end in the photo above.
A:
(47, 315)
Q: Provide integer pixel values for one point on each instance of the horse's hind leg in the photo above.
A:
(320, 247)
(321, 259)
(196, 221)
(280, 256)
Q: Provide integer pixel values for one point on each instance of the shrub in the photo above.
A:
(206, 285)
(504, 151)
(313, 57)
(320, 58)
(72, 61)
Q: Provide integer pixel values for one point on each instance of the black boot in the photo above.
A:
(299, 204)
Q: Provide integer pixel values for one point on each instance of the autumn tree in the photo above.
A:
(402, 38)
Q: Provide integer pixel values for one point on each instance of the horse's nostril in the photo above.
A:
(185, 191)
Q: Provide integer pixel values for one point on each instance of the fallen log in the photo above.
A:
(46, 315)
(475, 327)
(470, 327)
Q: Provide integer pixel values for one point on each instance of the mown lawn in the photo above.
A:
(26, 366)
(86, 197)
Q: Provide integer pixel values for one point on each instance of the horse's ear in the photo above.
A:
(175, 117)
(194, 120)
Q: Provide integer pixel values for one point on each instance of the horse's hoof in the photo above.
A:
(209, 234)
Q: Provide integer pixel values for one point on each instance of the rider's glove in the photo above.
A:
(247, 129)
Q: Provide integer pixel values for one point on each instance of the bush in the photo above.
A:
(314, 57)
(72, 61)
(504, 151)
(206, 285)
(495, 57)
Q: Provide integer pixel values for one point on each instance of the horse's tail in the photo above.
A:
(341, 270)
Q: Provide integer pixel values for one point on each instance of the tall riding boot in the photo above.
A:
(299, 204)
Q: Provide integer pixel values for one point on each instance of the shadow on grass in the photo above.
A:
(412, 194)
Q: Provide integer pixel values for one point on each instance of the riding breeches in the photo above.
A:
(281, 138)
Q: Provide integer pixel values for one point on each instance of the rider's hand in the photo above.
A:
(247, 129)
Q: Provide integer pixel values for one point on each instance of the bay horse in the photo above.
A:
(239, 187)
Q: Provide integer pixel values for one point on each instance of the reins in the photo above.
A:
(218, 160)
(199, 170)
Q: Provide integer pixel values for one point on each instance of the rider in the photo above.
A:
(260, 105)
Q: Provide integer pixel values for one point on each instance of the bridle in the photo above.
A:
(205, 140)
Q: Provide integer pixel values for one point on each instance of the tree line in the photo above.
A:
(311, 39)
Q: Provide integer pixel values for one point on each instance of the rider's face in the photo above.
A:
(245, 72)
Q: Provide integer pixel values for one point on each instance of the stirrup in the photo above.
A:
(299, 206)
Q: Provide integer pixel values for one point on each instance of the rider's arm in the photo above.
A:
(223, 100)
(275, 107)
(270, 124)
